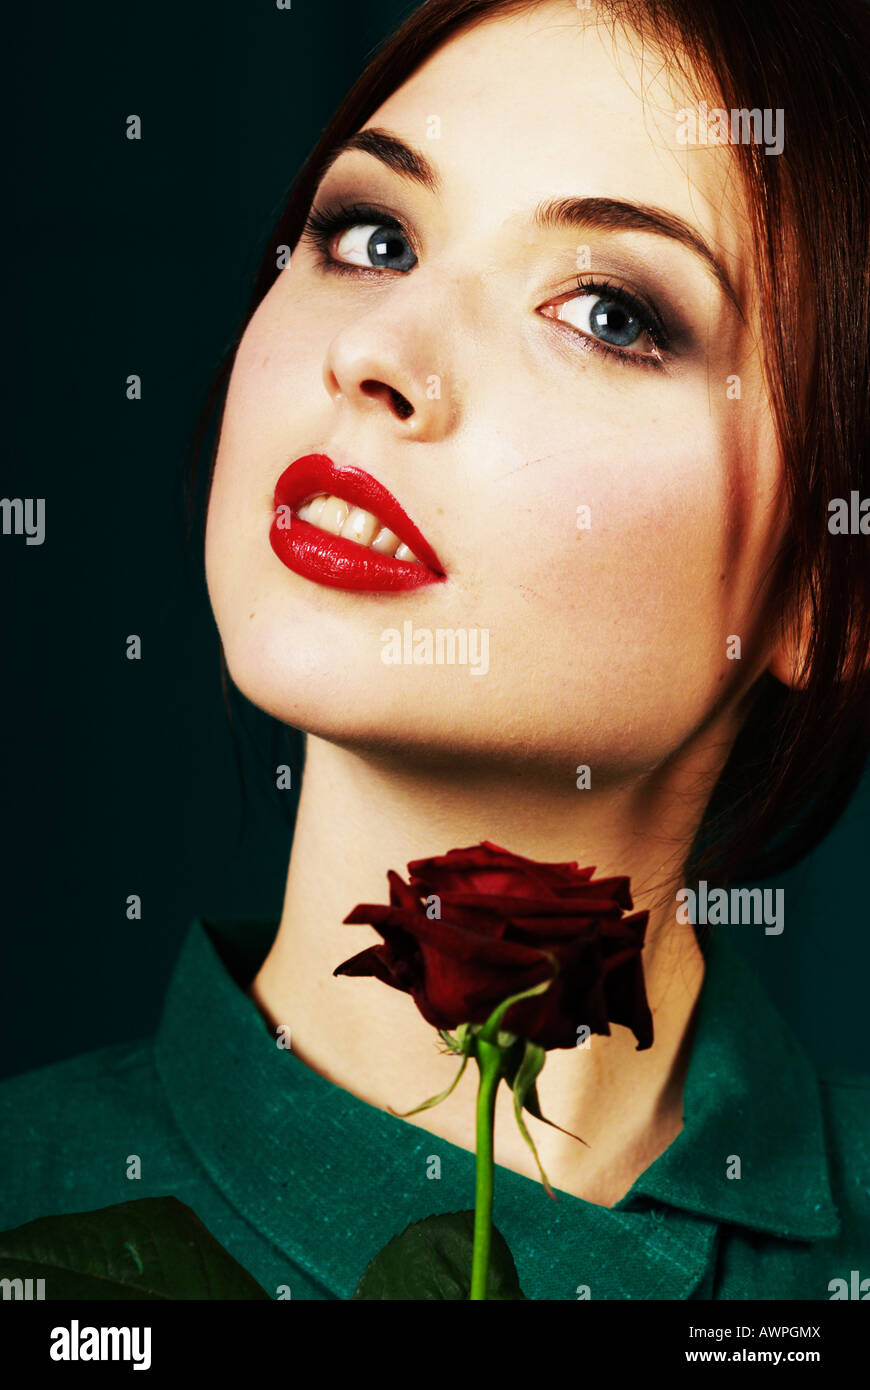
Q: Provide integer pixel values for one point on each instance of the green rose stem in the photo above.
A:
(489, 1060)
(491, 1050)
(498, 1054)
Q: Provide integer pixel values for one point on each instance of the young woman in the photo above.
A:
(560, 347)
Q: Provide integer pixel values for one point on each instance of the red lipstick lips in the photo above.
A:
(334, 560)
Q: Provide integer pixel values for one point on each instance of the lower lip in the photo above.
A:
(343, 564)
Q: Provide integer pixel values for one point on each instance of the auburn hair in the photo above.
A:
(801, 750)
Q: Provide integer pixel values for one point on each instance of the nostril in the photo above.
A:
(399, 403)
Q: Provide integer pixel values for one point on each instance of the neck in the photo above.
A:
(360, 815)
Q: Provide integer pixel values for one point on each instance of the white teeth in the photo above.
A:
(334, 515)
(360, 527)
(311, 511)
(385, 542)
(339, 518)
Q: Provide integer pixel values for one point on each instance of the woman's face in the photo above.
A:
(571, 410)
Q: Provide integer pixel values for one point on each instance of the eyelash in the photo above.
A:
(649, 320)
(323, 224)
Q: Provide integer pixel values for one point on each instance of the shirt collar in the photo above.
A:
(751, 1094)
(282, 1142)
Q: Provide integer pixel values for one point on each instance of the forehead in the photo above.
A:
(553, 102)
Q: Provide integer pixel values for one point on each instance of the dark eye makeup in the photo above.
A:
(323, 224)
(617, 311)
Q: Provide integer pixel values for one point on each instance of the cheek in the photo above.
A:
(276, 368)
(268, 412)
(626, 556)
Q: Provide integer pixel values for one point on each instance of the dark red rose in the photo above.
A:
(503, 919)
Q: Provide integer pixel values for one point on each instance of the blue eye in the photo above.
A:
(614, 323)
(375, 245)
(358, 235)
(608, 319)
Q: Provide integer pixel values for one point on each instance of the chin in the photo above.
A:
(328, 684)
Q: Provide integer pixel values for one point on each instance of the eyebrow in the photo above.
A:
(604, 214)
(393, 152)
(613, 213)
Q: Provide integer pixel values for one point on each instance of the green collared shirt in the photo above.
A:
(765, 1193)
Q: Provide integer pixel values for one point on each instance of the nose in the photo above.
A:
(384, 364)
(391, 398)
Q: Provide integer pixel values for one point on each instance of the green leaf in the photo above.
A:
(433, 1100)
(524, 1083)
(432, 1260)
(512, 1060)
(533, 1105)
(462, 1043)
(526, 1076)
(152, 1248)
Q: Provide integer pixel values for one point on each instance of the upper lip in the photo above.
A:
(317, 473)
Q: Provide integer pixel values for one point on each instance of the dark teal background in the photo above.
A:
(119, 777)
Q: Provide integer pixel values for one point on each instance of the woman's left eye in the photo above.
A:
(609, 318)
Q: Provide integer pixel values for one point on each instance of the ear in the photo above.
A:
(790, 648)
(787, 660)
(789, 652)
